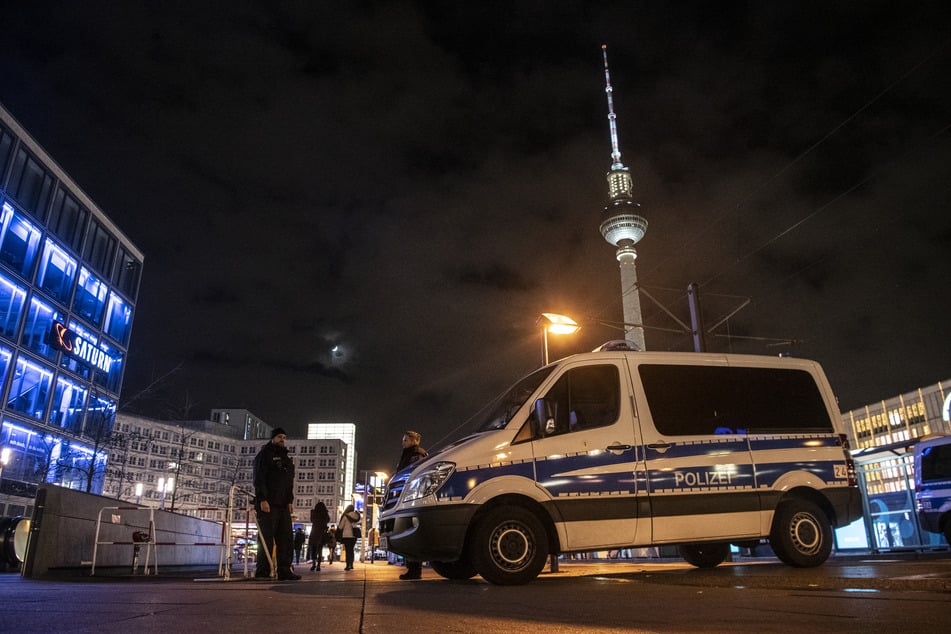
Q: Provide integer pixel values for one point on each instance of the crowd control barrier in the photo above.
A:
(145, 543)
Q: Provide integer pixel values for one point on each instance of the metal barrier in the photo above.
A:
(138, 538)
(147, 537)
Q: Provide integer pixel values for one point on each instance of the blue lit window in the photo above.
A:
(99, 417)
(111, 380)
(18, 240)
(66, 410)
(118, 319)
(39, 319)
(6, 354)
(30, 388)
(90, 296)
(57, 271)
(12, 297)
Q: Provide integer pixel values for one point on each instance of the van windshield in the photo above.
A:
(500, 411)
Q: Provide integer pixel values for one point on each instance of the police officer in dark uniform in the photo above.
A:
(274, 504)
(412, 452)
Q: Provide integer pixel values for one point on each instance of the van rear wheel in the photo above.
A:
(509, 546)
(801, 535)
(704, 555)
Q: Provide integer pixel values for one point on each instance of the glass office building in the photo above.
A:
(68, 285)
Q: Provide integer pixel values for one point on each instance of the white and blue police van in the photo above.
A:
(616, 449)
(933, 484)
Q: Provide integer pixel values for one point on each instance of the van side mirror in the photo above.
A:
(544, 419)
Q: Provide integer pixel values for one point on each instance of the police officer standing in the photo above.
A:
(412, 452)
(274, 504)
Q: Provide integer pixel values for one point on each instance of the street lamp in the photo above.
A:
(138, 492)
(556, 325)
(165, 486)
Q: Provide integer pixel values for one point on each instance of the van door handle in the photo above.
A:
(662, 447)
(618, 448)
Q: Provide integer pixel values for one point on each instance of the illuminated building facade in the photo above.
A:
(68, 285)
(347, 432)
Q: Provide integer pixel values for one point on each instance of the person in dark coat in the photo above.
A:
(274, 506)
(412, 453)
(330, 541)
(299, 538)
(319, 519)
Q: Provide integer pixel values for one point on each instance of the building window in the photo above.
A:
(100, 248)
(90, 296)
(12, 297)
(6, 145)
(19, 241)
(66, 410)
(30, 389)
(126, 275)
(56, 273)
(39, 319)
(30, 184)
(67, 219)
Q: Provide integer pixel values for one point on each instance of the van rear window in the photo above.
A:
(936, 463)
(687, 400)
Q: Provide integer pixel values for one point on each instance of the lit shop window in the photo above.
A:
(90, 296)
(39, 319)
(12, 297)
(30, 389)
(66, 411)
(118, 319)
(6, 354)
(18, 240)
(99, 417)
(57, 272)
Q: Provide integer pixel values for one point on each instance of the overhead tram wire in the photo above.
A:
(718, 217)
(823, 207)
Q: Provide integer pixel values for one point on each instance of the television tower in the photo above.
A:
(621, 225)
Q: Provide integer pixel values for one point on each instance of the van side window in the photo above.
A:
(686, 400)
(936, 463)
(584, 398)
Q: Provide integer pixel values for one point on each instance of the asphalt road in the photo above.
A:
(871, 594)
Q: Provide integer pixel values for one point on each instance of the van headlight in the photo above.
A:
(428, 482)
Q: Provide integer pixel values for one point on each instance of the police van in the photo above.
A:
(615, 449)
(933, 484)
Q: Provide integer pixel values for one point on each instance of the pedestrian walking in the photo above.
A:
(349, 532)
(319, 519)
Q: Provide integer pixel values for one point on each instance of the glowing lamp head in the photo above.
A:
(560, 324)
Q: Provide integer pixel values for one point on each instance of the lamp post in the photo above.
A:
(556, 325)
(138, 492)
(369, 505)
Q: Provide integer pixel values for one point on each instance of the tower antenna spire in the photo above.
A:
(612, 118)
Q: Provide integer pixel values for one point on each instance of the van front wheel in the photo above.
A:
(509, 546)
(801, 535)
(704, 555)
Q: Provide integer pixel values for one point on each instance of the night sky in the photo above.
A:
(415, 182)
